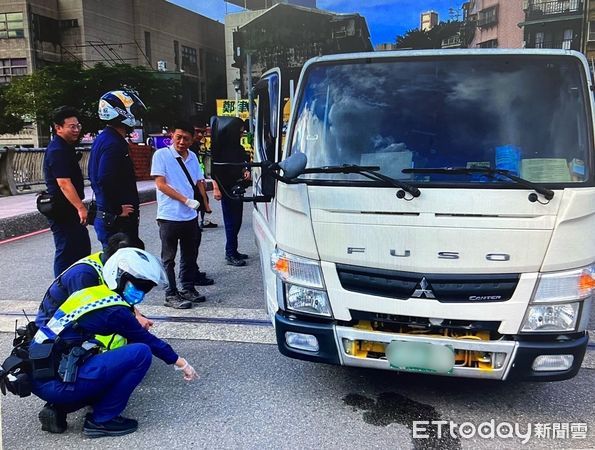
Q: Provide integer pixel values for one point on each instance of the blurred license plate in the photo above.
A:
(420, 357)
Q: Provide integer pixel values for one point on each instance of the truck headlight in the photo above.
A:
(302, 279)
(548, 318)
(297, 270)
(306, 300)
(557, 300)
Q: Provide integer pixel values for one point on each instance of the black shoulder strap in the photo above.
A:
(183, 166)
(197, 195)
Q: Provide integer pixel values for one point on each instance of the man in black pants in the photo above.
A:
(64, 181)
(178, 179)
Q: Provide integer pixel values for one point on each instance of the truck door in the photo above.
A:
(267, 147)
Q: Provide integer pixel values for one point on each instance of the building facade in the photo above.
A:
(233, 22)
(428, 20)
(589, 32)
(554, 24)
(286, 36)
(151, 33)
(496, 23)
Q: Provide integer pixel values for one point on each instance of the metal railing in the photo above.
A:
(451, 42)
(21, 169)
(566, 44)
(539, 8)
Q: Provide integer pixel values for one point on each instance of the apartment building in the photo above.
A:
(554, 24)
(234, 21)
(589, 33)
(428, 20)
(286, 36)
(495, 23)
(150, 33)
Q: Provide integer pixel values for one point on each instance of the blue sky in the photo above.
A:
(386, 18)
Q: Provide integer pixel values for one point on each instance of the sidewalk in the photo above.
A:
(19, 215)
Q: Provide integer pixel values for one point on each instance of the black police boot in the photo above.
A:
(52, 419)
(118, 426)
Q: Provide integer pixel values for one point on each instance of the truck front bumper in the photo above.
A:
(512, 359)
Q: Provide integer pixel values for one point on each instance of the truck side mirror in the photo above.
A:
(294, 166)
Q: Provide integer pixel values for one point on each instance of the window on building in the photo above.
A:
(201, 62)
(11, 25)
(189, 60)
(65, 24)
(567, 39)
(148, 47)
(591, 31)
(12, 67)
(487, 17)
(177, 55)
(45, 29)
(492, 43)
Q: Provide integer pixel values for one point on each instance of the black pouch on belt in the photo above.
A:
(43, 361)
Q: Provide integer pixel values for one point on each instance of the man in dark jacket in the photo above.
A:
(64, 181)
(111, 170)
(227, 149)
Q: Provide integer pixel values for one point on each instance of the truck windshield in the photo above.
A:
(525, 114)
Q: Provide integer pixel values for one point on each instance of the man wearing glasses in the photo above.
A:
(64, 180)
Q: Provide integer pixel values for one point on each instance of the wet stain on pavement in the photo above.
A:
(390, 407)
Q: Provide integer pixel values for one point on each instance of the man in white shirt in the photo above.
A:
(177, 212)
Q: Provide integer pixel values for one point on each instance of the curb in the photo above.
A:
(30, 222)
(34, 221)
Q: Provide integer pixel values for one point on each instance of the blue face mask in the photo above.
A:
(132, 295)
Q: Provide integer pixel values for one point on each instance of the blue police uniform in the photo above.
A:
(113, 180)
(79, 276)
(70, 237)
(105, 381)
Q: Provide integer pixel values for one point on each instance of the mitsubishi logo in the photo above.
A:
(424, 291)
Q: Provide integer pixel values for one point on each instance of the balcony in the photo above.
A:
(565, 44)
(549, 9)
(452, 42)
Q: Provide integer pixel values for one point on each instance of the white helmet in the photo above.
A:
(120, 106)
(134, 265)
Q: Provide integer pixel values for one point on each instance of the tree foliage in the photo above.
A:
(432, 39)
(35, 96)
(9, 123)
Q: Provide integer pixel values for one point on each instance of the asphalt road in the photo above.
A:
(250, 396)
(26, 264)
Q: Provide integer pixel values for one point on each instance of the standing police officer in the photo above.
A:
(111, 170)
(106, 380)
(64, 180)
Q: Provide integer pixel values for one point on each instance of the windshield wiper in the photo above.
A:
(548, 194)
(371, 172)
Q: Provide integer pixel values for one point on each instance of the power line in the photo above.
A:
(111, 49)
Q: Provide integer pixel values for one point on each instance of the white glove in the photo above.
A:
(191, 203)
(189, 372)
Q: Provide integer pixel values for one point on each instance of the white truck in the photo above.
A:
(444, 222)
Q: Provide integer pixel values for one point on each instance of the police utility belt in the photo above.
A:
(51, 361)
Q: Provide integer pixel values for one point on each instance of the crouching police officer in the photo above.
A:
(84, 273)
(69, 374)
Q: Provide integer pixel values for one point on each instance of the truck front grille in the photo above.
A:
(470, 288)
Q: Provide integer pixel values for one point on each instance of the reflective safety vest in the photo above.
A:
(94, 260)
(75, 306)
(111, 341)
